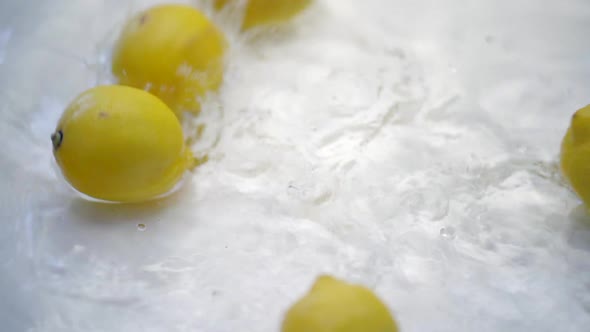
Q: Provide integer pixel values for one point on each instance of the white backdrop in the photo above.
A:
(409, 145)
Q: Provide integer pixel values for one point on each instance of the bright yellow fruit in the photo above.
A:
(575, 154)
(265, 12)
(173, 51)
(333, 305)
(118, 143)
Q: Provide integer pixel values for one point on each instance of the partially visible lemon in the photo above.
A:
(265, 12)
(122, 144)
(173, 51)
(575, 154)
(334, 305)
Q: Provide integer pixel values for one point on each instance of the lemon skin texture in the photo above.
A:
(333, 305)
(575, 154)
(173, 51)
(121, 144)
(267, 12)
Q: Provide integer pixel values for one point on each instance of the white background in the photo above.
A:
(409, 145)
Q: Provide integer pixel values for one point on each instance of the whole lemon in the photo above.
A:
(265, 12)
(119, 143)
(173, 51)
(575, 154)
(333, 305)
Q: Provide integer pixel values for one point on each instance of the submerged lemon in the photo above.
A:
(333, 305)
(264, 12)
(173, 51)
(575, 154)
(119, 143)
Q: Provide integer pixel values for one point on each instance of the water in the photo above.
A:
(408, 145)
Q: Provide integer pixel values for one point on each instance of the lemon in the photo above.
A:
(119, 143)
(173, 51)
(575, 154)
(265, 12)
(333, 305)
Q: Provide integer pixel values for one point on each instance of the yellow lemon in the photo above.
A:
(119, 143)
(173, 51)
(265, 12)
(333, 305)
(575, 154)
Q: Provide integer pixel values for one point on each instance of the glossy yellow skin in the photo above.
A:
(122, 144)
(333, 305)
(575, 154)
(173, 51)
(266, 12)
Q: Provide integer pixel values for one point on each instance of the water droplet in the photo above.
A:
(141, 227)
(447, 233)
